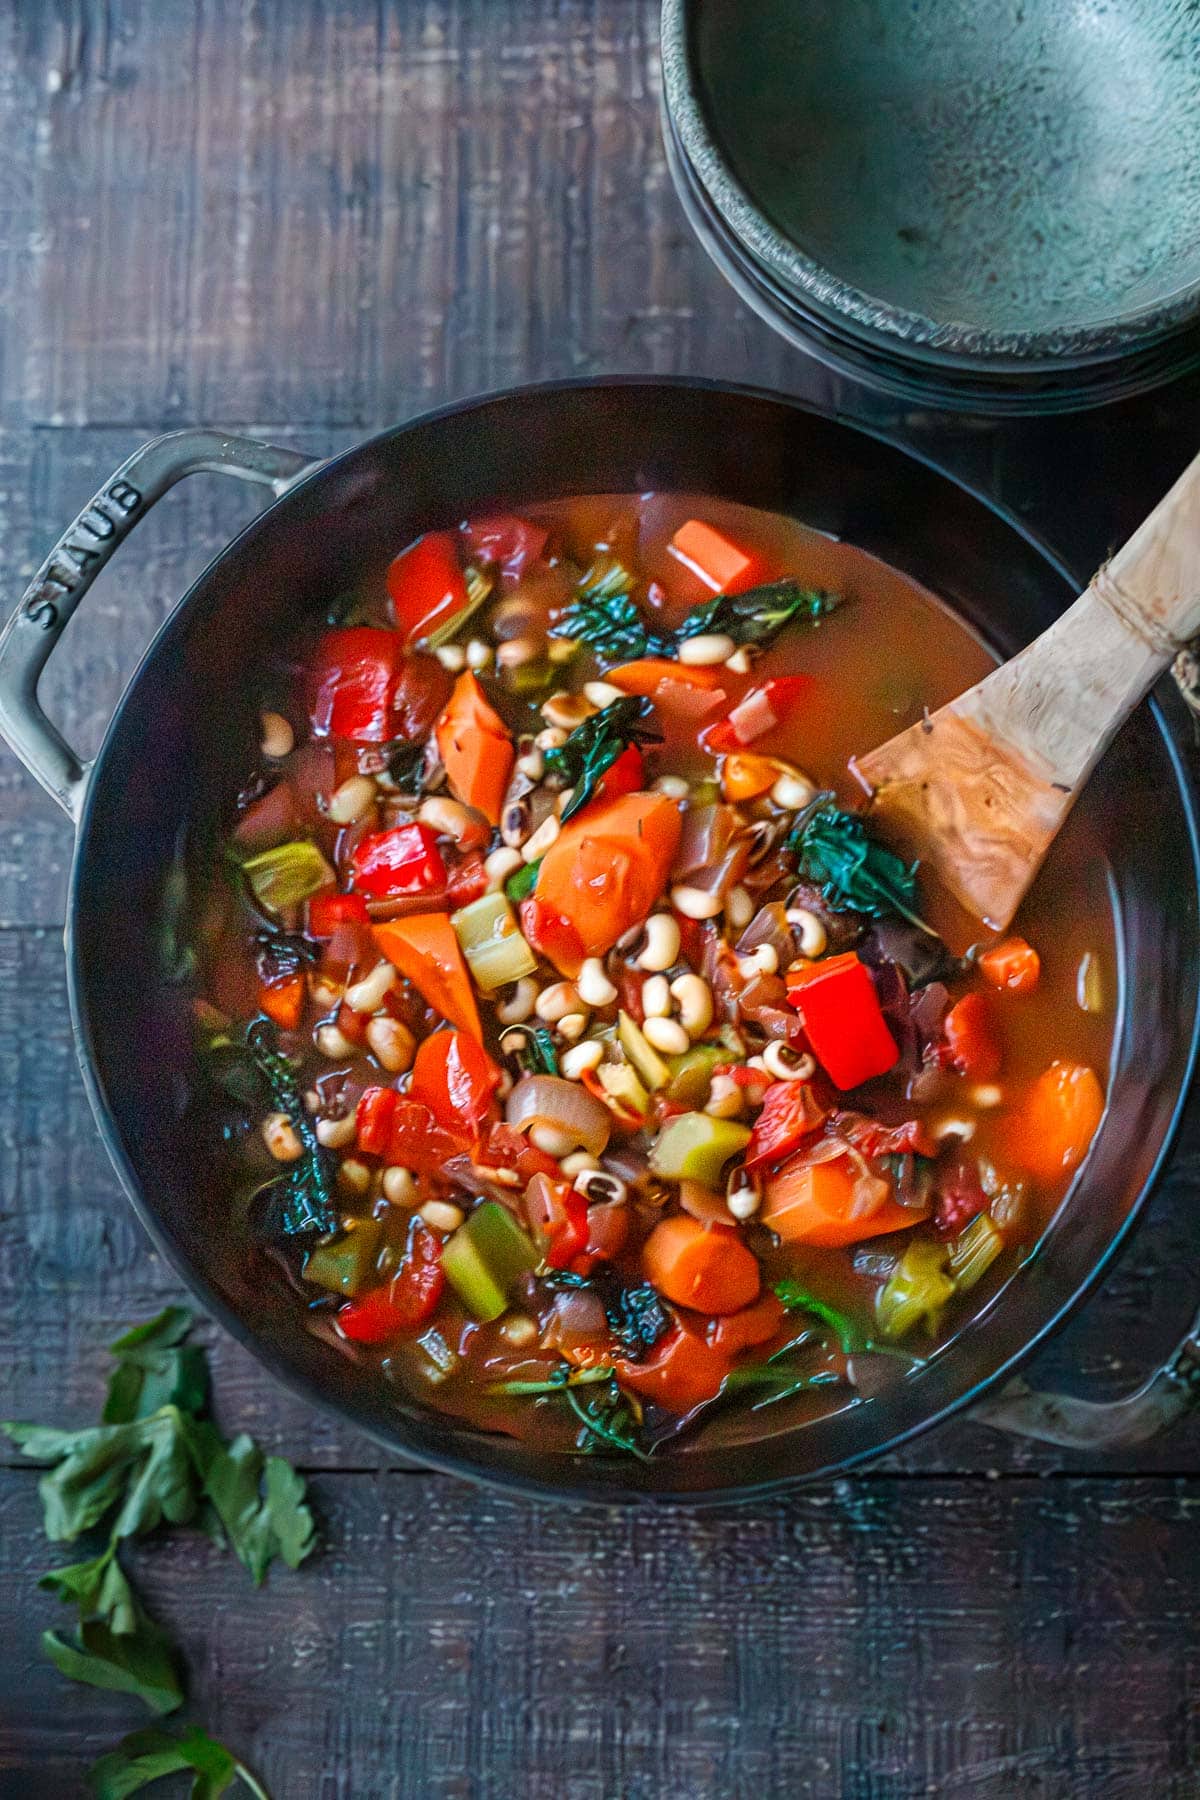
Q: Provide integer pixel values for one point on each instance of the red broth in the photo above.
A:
(783, 1158)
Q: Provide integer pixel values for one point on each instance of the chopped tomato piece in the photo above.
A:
(913, 1137)
(818, 1203)
(454, 1076)
(354, 674)
(468, 881)
(1050, 1131)
(504, 538)
(408, 1300)
(508, 1148)
(625, 776)
(475, 748)
(703, 1266)
(403, 1131)
(404, 860)
(680, 1373)
(425, 948)
(723, 565)
(327, 911)
(602, 875)
(283, 1001)
(765, 709)
(422, 690)
(607, 1235)
(971, 1047)
(426, 585)
(843, 1020)
(790, 1113)
(1013, 965)
(558, 1217)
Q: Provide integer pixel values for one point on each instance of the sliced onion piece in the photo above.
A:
(563, 1106)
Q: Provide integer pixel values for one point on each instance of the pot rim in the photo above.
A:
(949, 344)
(574, 1486)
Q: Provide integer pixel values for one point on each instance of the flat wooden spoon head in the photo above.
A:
(979, 789)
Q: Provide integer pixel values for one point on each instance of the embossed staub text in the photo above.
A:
(83, 551)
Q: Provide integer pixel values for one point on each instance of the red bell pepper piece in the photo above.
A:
(765, 709)
(790, 1113)
(327, 911)
(843, 1020)
(505, 539)
(456, 1079)
(558, 1215)
(970, 1047)
(409, 1299)
(625, 776)
(354, 676)
(426, 585)
(468, 881)
(404, 860)
(373, 1120)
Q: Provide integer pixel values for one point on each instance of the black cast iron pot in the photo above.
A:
(175, 750)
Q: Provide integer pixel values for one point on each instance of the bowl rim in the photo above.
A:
(573, 1486)
(869, 316)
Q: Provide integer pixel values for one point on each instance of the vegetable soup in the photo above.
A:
(591, 1068)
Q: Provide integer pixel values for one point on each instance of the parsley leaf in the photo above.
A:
(155, 1367)
(146, 1756)
(260, 1502)
(593, 748)
(99, 1588)
(760, 614)
(852, 869)
(140, 1662)
(798, 1299)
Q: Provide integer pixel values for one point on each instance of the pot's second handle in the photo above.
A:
(1101, 1425)
(76, 560)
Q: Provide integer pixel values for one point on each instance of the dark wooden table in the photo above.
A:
(311, 220)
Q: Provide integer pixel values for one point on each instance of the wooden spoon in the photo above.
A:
(979, 789)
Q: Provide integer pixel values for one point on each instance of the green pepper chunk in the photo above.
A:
(691, 1074)
(350, 1262)
(485, 1258)
(695, 1147)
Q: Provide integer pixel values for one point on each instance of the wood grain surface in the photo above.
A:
(310, 219)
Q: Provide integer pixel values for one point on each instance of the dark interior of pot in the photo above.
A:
(172, 755)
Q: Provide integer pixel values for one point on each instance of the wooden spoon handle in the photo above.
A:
(982, 787)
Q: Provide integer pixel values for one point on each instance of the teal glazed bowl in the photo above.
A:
(992, 207)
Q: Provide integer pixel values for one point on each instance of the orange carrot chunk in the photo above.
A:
(817, 1203)
(1013, 965)
(703, 1266)
(1051, 1129)
(475, 748)
(647, 675)
(283, 1001)
(724, 565)
(425, 948)
(601, 876)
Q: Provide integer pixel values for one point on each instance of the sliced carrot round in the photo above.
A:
(705, 1267)
(1051, 1130)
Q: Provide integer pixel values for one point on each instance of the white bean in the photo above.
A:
(707, 647)
(566, 711)
(354, 1174)
(540, 842)
(281, 1139)
(550, 739)
(602, 693)
(452, 657)
(518, 1329)
(520, 1003)
(447, 817)
(556, 1001)
(724, 1098)
(693, 996)
(739, 663)
(673, 786)
(442, 1215)
(739, 908)
(500, 865)
(532, 764)
(332, 1043)
(479, 654)
(744, 1196)
(365, 995)
(762, 961)
(581, 1163)
(666, 1035)
(399, 1186)
(278, 739)
(987, 1094)
(595, 989)
(352, 800)
(391, 1044)
(576, 1061)
(656, 997)
(793, 790)
(553, 1141)
(337, 1134)
(661, 946)
(785, 1065)
(600, 1186)
(811, 936)
(517, 652)
(694, 903)
(573, 1026)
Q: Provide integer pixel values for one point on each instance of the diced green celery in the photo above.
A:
(916, 1290)
(691, 1073)
(485, 1257)
(621, 1084)
(652, 1070)
(491, 941)
(348, 1263)
(694, 1147)
(974, 1252)
(287, 874)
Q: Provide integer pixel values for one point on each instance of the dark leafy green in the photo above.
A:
(636, 1316)
(854, 871)
(593, 747)
(260, 1502)
(759, 615)
(532, 1049)
(607, 1419)
(147, 1756)
(798, 1299)
(606, 617)
(303, 1196)
(156, 1367)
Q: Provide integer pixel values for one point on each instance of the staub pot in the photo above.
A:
(172, 756)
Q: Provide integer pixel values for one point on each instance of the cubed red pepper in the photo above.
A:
(843, 1020)
(404, 860)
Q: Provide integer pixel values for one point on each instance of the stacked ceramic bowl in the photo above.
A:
(986, 207)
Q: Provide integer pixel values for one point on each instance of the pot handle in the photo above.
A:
(74, 563)
(1101, 1425)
